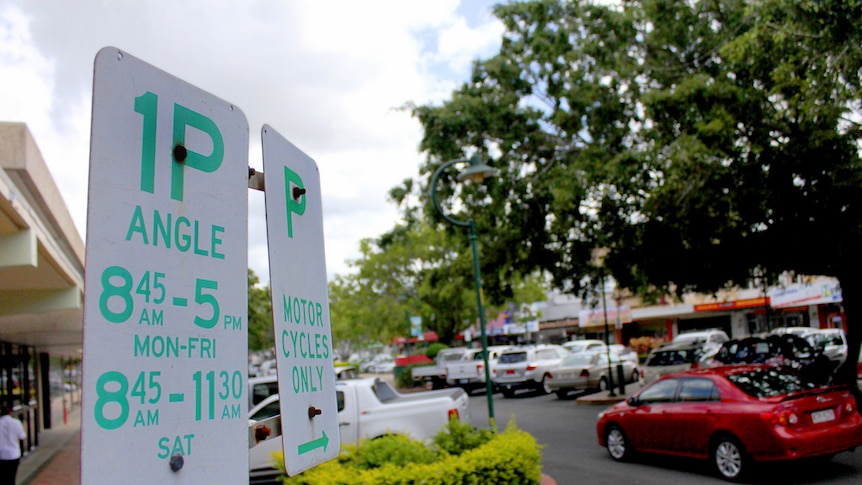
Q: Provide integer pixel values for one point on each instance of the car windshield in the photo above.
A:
(268, 411)
(579, 359)
(513, 358)
(769, 382)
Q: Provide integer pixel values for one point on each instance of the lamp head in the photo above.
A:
(477, 171)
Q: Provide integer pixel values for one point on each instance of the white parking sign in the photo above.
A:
(165, 343)
(300, 304)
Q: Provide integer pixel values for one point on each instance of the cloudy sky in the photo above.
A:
(329, 75)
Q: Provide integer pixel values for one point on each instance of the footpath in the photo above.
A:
(57, 459)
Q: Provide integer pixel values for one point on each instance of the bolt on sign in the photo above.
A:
(165, 342)
(300, 304)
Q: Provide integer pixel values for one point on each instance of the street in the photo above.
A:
(571, 454)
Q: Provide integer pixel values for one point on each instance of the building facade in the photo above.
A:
(41, 288)
(809, 302)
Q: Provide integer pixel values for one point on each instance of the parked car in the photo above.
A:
(434, 375)
(367, 408)
(733, 415)
(670, 360)
(346, 372)
(708, 339)
(831, 342)
(527, 368)
(260, 388)
(364, 363)
(798, 331)
(469, 372)
(381, 363)
(584, 345)
(588, 370)
(782, 350)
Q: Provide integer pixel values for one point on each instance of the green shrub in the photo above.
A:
(398, 450)
(459, 437)
(512, 456)
(404, 378)
(433, 349)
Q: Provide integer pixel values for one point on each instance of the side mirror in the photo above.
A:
(633, 401)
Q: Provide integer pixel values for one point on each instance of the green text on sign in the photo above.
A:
(147, 105)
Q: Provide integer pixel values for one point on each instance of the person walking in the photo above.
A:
(11, 438)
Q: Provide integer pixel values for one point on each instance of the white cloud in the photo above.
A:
(327, 74)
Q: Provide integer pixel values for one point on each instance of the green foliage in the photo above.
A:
(404, 378)
(459, 437)
(512, 456)
(693, 140)
(397, 450)
(260, 327)
(434, 349)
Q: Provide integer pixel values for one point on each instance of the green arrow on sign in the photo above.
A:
(314, 444)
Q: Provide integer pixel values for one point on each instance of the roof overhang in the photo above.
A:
(41, 252)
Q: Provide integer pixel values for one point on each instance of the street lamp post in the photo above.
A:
(607, 338)
(598, 260)
(477, 172)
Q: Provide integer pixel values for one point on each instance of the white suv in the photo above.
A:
(832, 342)
(527, 368)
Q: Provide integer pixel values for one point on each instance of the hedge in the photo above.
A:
(512, 456)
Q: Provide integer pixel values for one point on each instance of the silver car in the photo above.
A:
(588, 370)
(527, 368)
(670, 360)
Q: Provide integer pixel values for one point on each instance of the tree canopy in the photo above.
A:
(260, 327)
(414, 270)
(704, 143)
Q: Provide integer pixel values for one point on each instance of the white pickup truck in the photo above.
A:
(367, 408)
(435, 375)
(469, 373)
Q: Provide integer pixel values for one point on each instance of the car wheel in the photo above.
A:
(544, 388)
(562, 394)
(603, 384)
(617, 443)
(729, 458)
(508, 393)
(635, 376)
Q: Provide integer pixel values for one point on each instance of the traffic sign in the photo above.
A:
(300, 304)
(165, 344)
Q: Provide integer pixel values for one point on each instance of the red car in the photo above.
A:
(733, 415)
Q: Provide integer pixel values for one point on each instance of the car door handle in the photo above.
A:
(343, 423)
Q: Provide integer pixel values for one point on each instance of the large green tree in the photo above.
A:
(704, 143)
